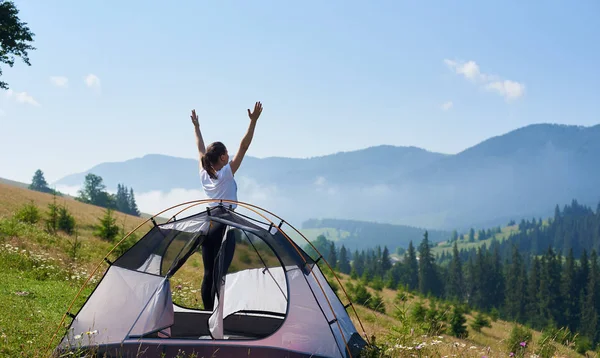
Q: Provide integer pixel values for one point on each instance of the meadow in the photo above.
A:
(43, 271)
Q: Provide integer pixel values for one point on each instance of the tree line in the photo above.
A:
(94, 192)
(545, 276)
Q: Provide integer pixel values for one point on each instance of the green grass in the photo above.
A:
(464, 244)
(39, 279)
(35, 293)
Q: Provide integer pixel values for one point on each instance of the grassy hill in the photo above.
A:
(464, 244)
(13, 183)
(42, 273)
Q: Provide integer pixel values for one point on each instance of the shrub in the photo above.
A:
(377, 284)
(583, 344)
(66, 221)
(28, 213)
(107, 229)
(480, 322)
(494, 314)
(519, 340)
(52, 217)
(377, 304)
(418, 312)
(361, 295)
(458, 322)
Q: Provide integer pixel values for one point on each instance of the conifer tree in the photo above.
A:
(428, 282)
(332, 257)
(122, 199)
(412, 268)
(386, 262)
(358, 264)
(590, 309)
(344, 262)
(533, 287)
(108, 229)
(569, 293)
(133, 208)
(39, 183)
(515, 296)
(455, 287)
(458, 327)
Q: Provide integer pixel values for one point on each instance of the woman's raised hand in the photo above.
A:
(194, 117)
(257, 111)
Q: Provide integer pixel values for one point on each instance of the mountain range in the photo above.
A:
(523, 173)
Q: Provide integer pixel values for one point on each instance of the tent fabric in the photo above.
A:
(263, 290)
(332, 307)
(125, 302)
(288, 297)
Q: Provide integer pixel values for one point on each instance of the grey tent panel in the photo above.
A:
(125, 302)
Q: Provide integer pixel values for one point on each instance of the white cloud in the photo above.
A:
(59, 81)
(22, 97)
(509, 89)
(447, 105)
(92, 81)
(470, 70)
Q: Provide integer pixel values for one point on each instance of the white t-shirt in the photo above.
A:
(224, 187)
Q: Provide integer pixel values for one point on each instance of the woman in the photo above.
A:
(217, 178)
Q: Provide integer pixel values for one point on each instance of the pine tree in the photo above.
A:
(458, 322)
(515, 294)
(495, 280)
(590, 309)
(550, 300)
(428, 282)
(533, 287)
(358, 264)
(122, 199)
(133, 209)
(455, 287)
(39, 183)
(570, 294)
(480, 322)
(386, 263)
(107, 229)
(482, 295)
(343, 262)
(332, 257)
(412, 268)
(471, 235)
(66, 221)
(583, 274)
(52, 219)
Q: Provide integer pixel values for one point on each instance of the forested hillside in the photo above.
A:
(545, 275)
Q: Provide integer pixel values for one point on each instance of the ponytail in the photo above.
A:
(208, 167)
(213, 152)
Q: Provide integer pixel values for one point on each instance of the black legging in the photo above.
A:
(210, 255)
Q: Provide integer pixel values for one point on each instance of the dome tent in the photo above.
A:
(283, 308)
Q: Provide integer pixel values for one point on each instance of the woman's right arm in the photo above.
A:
(199, 139)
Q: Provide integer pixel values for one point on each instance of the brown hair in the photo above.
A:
(213, 152)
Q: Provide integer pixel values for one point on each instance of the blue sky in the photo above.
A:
(112, 80)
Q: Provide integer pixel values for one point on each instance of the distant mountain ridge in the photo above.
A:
(522, 173)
